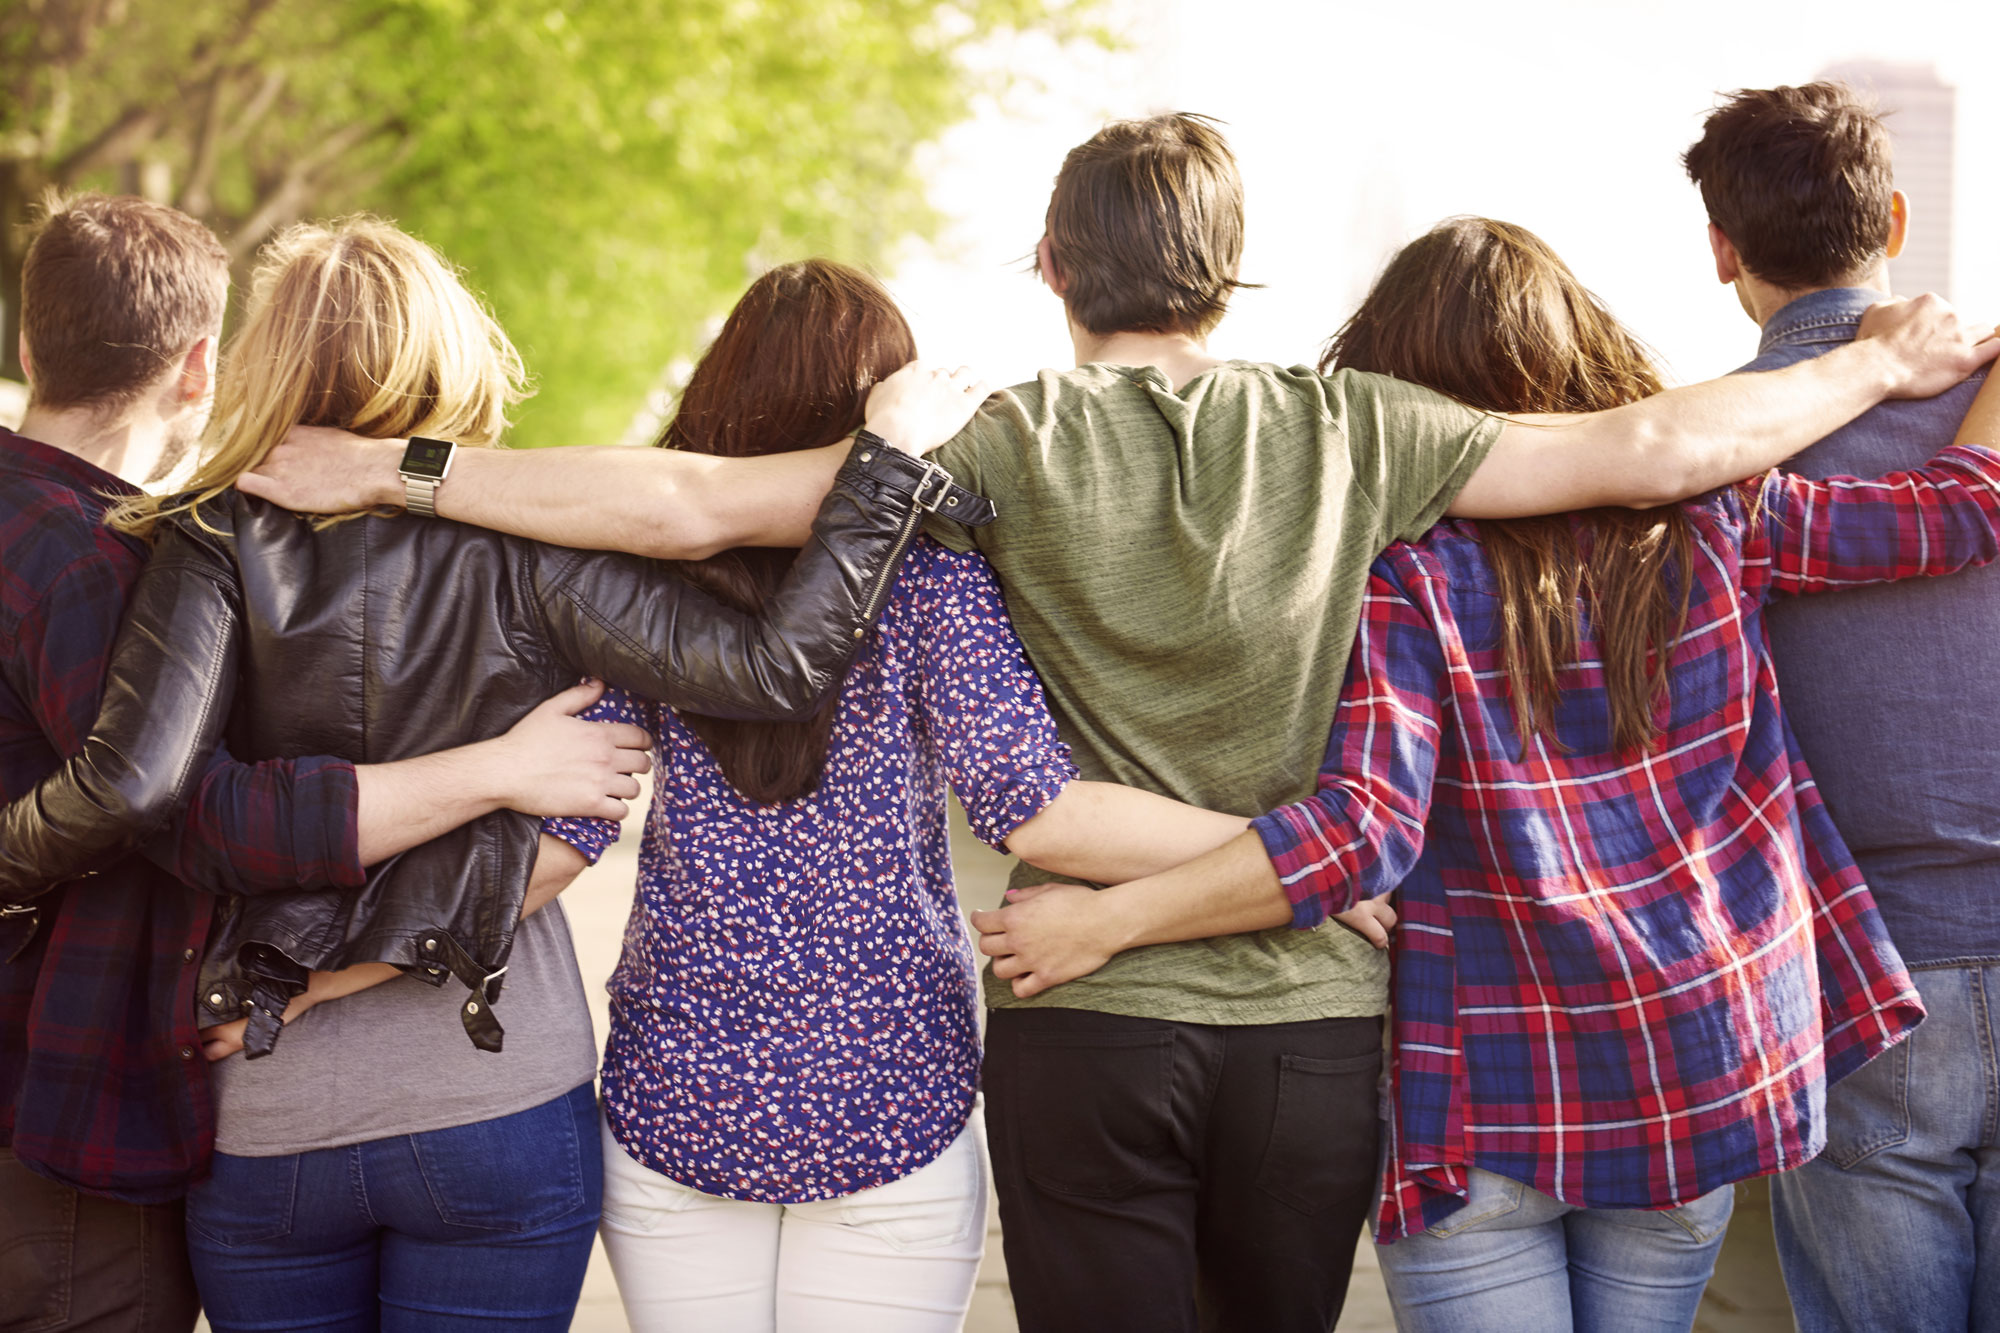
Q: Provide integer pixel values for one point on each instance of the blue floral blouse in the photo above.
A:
(795, 1014)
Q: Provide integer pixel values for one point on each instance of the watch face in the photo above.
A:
(429, 459)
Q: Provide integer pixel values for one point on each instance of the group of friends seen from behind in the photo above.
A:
(1408, 830)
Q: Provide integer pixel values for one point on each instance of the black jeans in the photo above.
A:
(1173, 1177)
(75, 1261)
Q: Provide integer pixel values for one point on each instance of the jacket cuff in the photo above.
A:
(874, 466)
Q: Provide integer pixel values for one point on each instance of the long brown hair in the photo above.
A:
(790, 370)
(1485, 312)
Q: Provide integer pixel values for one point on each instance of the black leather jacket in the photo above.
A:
(384, 638)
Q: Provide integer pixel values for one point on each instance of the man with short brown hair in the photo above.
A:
(1897, 1223)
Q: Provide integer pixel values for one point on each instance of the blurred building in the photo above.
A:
(1921, 112)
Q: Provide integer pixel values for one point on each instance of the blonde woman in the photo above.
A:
(379, 1169)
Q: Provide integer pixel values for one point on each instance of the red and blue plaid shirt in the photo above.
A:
(102, 1083)
(1623, 979)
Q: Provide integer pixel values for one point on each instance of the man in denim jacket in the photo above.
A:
(1891, 691)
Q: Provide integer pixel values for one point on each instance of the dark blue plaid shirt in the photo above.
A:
(102, 1082)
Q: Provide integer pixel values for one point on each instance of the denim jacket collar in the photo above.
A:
(1807, 319)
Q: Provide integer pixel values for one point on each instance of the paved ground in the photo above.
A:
(1746, 1295)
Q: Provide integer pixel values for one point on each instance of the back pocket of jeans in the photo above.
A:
(245, 1200)
(513, 1173)
(1323, 1131)
(1095, 1110)
(1869, 1110)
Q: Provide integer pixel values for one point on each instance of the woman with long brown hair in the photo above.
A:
(1634, 950)
(791, 1141)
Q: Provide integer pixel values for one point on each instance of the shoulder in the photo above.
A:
(53, 534)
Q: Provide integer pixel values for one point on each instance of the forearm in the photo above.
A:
(1108, 833)
(1228, 891)
(1678, 443)
(411, 801)
(557, 864)
(655, 502)
(1982, 423)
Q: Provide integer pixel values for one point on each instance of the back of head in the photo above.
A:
(359, 325)
(1799, 180)
(1146, 227)
(790, 370)
(1485, 312)
(114, 291)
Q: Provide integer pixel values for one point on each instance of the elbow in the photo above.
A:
(1660, 469)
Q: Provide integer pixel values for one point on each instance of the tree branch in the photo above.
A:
(288, 200)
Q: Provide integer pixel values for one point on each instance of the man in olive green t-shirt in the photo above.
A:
(1185, 1139)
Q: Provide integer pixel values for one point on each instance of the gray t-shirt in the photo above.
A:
(395, 1060)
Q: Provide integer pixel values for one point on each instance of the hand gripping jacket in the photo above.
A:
(386, 638)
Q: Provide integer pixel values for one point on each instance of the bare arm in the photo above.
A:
(1982, 423)
(549, 763)
(1105, 832)
(1048, 935)
(1689, 440)
(557, 864)
(653, 502)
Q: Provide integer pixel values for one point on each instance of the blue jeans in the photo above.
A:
(1513, 1260)
(1897, 1224)
(483, 1227)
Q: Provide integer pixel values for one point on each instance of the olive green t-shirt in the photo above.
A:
(1186, 571)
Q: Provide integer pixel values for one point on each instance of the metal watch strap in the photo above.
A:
(931, 486)
(420, 496)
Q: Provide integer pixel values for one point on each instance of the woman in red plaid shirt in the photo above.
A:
(1634, 948)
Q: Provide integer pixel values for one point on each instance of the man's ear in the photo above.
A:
(1728, 267)
(27, 362)
(1045, 262)
(196, 379)
(1899, 222)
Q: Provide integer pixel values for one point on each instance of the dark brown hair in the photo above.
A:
(790, 370)
(1798, 179)
(1146, 227)
(113, 290)
(1485, 312)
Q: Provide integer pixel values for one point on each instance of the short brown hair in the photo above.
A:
(1146, 226)
(112, 290)
(1798, 179)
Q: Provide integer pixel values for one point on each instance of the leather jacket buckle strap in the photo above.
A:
(930, 487)
(274, 980)
(476, 1013)
(19, 923)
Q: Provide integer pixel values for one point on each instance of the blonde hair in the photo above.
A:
(354, 324)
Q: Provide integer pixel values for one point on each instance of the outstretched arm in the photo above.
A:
(1693, 439)
(1353, 839)
(654, 502)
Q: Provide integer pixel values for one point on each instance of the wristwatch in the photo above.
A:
(426, 463)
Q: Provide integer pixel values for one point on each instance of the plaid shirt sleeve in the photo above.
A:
(593, 836)
(57, 667)
(1821, 536)
(276, 827)
(1359, 834)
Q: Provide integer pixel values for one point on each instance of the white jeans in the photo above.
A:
(898, 1258)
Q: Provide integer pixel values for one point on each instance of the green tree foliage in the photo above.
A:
(607, 171)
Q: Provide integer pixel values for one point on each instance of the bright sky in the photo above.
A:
(1360, 125)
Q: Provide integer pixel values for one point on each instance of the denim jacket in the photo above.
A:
(1893, 691)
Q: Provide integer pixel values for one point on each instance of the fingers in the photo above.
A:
(1010, 966)
(250, 483)
(995, 945)
(576, 698)
(1029, 891)
(985, 921)
(1026, 988)
(628, 737)
(633, 761)
(611, 808)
